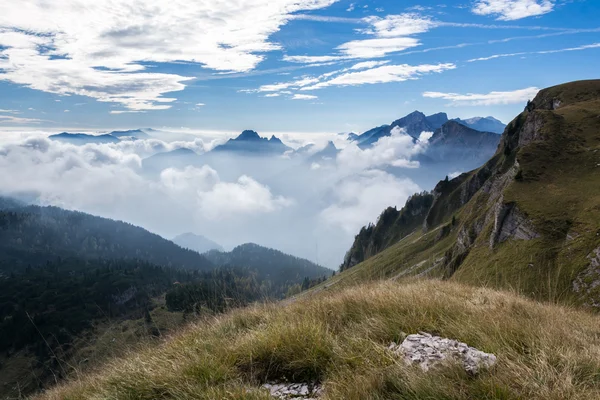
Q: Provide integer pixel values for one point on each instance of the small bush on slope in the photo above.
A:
(544, 351)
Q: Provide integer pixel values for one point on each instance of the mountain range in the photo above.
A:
(527, 219)
(249, 142)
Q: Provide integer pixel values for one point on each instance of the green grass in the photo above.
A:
(558, 190)
(339, 339)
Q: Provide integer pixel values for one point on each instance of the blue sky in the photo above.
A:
(283, 65)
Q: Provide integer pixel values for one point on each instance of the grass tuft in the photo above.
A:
(544, 351)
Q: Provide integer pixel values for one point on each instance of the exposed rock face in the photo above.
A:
(429, 351)
(509, 222)
(286, 391)
(531, 129)
(588, 281)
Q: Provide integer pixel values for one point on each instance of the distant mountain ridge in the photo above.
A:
(83, 138)
(527, 219)
(34, 235)
(269, 263)
(250, 142)
(417, 122)
(413, 123)
(197, 243)
(454, 142)
(483, 124)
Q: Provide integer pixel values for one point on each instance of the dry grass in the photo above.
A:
(544, 351)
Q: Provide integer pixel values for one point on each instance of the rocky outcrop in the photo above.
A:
(288, 391)
(429, 351)
(588, 281)
(510, 223)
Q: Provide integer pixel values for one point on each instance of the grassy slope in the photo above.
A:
(545, 351)
(559, 192)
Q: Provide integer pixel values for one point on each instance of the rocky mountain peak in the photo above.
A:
(248, 135)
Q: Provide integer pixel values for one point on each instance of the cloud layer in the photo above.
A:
(100, 49)
(291, 203)
(486, 99)
(510, 10)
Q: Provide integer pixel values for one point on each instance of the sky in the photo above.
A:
(301, 66)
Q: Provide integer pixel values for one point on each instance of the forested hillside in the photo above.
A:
(34, 235)
(280, 269)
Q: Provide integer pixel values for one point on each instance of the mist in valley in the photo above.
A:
(304, 202)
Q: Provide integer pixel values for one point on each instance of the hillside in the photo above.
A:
(340, 340)
(35, 235)
(527, 219)
(269, 264)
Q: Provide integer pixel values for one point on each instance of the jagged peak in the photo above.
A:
(248, 135)
(275, 139)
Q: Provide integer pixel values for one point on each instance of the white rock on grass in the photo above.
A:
(428, 351)
(289, 391)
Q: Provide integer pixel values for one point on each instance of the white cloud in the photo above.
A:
(492, 57)
(9, 119)
(272, 95)
(380, 47)
(350, 7)
(382, 74)
(510, 10)
(96, 49)
(396, 150)
(398, 25)
(368, 64)
(110, 177)
(361, 198)
(578, 48)
(304, 97)
(221, 200)
(312, 59)
(492, 98)
(388, 35)
(200, 104)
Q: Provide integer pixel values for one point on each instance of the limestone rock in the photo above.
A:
(510, 223)
(289, 391)
(429, 351)
(588, 281)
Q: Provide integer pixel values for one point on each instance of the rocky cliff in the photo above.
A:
(529, 218)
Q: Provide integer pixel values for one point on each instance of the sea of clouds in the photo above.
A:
(311, 208)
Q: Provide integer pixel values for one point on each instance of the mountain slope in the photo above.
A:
(195, 242)
(340, 340)
(454, 142)
(268, 263)
(484, 124)
(528, 219)
(35, 235)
